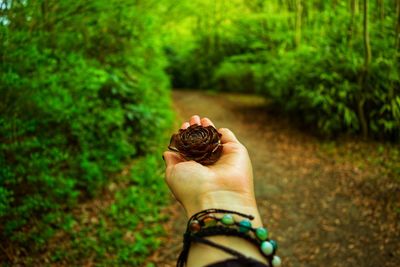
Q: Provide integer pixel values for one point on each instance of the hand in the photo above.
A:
(227, 184)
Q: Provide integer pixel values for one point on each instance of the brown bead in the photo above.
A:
(195, 226)
(209, 221)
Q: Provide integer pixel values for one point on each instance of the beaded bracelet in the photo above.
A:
(206, 223)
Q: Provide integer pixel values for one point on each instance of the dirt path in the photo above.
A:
(322, 210)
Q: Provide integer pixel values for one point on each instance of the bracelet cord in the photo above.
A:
(200, 236)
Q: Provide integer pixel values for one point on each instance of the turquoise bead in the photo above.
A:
(267, 248)
(276, 261)
(262, 233)
(244, 226)
(227, 219)
(274, 244)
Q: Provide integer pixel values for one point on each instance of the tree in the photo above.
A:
(365, 72)
(299, 10)
(397, 36)
(352, 28)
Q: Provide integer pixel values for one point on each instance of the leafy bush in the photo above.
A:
(308, 58)
(128, 229)
(325, 89)
(81, 93)
(242, 73)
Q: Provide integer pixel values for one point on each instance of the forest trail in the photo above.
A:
(322, 210)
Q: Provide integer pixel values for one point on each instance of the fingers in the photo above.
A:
(206, 122)
(185, 125)
(227, 136)
(195, 120)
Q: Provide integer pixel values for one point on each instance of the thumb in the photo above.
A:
(227, 136)
(171, 158)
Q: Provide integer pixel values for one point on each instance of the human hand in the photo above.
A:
(227, 184)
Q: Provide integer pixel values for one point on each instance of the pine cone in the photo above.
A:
(198, 143)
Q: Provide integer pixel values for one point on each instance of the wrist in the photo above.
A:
(226, 200)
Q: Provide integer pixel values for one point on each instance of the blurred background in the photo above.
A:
(86, 108)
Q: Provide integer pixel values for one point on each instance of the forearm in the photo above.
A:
(202, 255)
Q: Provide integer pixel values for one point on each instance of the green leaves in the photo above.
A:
(128, 228)
(250, 46)
(83, 90)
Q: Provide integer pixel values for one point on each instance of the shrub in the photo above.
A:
(78, 99)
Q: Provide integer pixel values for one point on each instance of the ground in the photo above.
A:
(326, 203)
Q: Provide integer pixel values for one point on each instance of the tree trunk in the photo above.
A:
(352, 27)
(367, 46)
(299, 9)
(380, 14)
(397, 43)
(263, 22)
(381, 9)
(364, 78)
(335, 2)
(354, 7)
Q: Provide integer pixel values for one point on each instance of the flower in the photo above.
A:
(198, 143)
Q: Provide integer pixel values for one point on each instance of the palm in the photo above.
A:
(232, 172)
(228, 181)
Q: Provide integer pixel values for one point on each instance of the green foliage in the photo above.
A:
(308, 59)
(83, 90)
(240, 73)
(128, 229)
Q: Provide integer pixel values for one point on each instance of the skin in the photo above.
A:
(227, 184)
